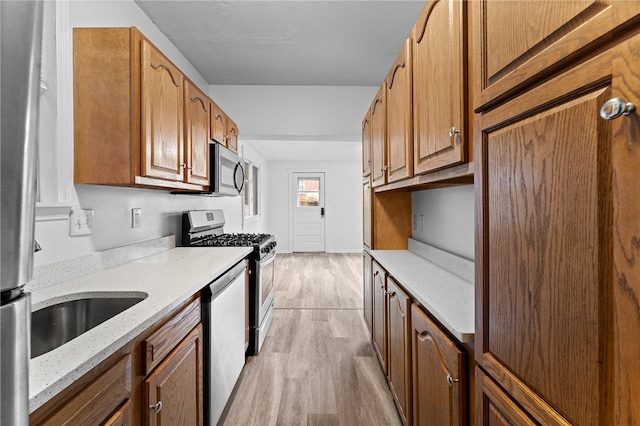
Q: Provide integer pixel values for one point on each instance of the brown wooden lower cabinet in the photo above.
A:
(367, 291)
(120, 389)
(496, 408)
(172, 393)
(380, 314)
(399, 348)
(439, 374)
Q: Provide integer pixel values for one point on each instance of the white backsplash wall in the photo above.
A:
(343, 191)
(447, 219)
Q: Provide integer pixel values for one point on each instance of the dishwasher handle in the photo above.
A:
(222, 282)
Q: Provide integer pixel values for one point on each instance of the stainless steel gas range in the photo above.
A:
(201, 228)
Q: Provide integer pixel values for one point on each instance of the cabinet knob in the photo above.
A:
(451, 380)
(615, 108)
(384, 168)
(453, 131)
(156, 407)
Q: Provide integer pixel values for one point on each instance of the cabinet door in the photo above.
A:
(196, 135)
(379, 138)
(399, 117)
(366, 145)
(218, 124)
(438, 373)
(122, 417)
(232, 135)
(172, 394)
(558, 220)
(399, 350)
(520, 43)
(439, 81)
(497, 408)
(162, 116)
(366, 214)
(380, 314)
(367, 291)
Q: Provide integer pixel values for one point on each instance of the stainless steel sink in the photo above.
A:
(55, 325)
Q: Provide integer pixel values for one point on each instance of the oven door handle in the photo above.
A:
(267, 260)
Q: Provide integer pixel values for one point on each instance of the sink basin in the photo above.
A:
(55, 325)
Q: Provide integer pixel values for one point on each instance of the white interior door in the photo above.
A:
(308, 212)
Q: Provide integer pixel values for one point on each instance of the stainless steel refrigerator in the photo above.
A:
(20, 39)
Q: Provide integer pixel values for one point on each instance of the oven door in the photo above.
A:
(265, 285)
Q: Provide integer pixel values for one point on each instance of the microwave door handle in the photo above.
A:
(238, 174)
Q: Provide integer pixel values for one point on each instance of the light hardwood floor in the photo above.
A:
(317, 366)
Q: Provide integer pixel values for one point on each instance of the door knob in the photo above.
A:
(615, 108)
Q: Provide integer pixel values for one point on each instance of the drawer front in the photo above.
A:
(96, 403)
(157, 346)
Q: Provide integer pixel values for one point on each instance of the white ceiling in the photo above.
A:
(312, 42)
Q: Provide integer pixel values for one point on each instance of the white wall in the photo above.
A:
(296, 112)
(112, 205)
(448, 219)
(343, 192)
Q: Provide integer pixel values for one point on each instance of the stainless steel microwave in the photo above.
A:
(226, 173)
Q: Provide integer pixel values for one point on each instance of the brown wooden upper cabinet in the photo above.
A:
(223, 129)
(399, 110)
(540, 39)
(379, 138)
(128, 112)
(366, 145)
(197, 106)
(232, 135)
(439, 82)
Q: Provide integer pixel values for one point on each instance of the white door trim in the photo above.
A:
(290, 202)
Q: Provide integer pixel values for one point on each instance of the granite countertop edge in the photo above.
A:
(448, 297)
(169, 278)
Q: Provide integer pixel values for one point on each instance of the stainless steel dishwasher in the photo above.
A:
(223, 321)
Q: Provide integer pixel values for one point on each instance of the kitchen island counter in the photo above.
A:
(169, 278)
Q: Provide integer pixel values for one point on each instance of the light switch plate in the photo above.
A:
(136, 218)
(80, 222)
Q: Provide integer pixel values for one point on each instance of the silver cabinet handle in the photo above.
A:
(157, 407)
(453, 131)
(615, 108)
(451, 380)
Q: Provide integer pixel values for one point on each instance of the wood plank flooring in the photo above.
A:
(317, 366)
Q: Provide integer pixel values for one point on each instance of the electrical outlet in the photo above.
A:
(136, 218)
(80, 222)
(415, 222)
(421, 222)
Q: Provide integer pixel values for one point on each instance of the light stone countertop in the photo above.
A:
(169, 278)
(448, 297)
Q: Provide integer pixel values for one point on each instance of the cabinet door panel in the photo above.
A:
(547, 229)
(380, 314)
(436, 400)
(232, 135)
(399, 349)
(196, 135)
(379, 138)
(367, 292)
(439, 86)
(497, 409)
(162, 116)
(177, 384)
(518, 42)
(218, 124)
(399, 120)
(366, 145)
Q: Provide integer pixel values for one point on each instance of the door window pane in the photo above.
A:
(308, 192)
